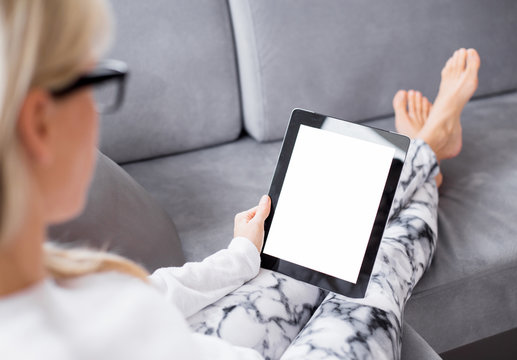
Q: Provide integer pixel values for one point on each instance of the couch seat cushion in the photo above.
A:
(203, 190)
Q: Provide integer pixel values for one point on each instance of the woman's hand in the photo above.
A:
(250, 224)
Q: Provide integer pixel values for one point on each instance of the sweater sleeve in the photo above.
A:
(198, 284)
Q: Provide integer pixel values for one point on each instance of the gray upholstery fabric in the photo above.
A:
(469, 292)
(203, 190)
(341, 58)
(183, 91)
(120, 216)
(414, 347)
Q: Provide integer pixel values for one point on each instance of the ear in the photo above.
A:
(35, 126)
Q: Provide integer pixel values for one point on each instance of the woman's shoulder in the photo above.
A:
(105, 313)
(23, 314)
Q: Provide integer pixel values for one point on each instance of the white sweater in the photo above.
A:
(113, 316)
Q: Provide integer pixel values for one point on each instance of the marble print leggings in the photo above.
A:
(283, 318)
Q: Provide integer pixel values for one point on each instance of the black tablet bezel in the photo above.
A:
(302, 117)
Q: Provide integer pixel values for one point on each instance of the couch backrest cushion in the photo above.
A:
(347, 58)
(121, 216)
(183, 91)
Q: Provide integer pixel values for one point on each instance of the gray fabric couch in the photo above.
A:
(212, 86)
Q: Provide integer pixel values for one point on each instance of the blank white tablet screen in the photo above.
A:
(329, 201)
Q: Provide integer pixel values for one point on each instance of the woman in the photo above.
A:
(62, 304)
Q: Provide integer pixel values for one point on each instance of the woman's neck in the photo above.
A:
(22, 261)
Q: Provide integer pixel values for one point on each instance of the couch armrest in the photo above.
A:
(121, 216)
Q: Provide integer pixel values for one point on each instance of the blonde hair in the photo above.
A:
(48, 43)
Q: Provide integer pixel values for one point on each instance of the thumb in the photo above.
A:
(263, 209)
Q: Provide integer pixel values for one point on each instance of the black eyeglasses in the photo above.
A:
(108, 80)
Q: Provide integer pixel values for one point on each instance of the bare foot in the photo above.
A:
(442, 130)
(411, 113)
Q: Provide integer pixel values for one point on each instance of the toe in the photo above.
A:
(411, 104)
(459, 58)
(455, 57)
(402, 120)
(462, 59)
(473, 60)
(418, 107)
(449, 65)
(439, 179)
(400, 101)
(426, 108)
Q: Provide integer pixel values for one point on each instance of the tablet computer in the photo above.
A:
(331, 195)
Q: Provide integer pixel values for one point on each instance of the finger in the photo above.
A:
(246, 215)
(251, 213)
(263, 209)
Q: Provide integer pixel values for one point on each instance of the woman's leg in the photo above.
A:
(420, 162)
(268, 312)
(265, 314)
(370, 328)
